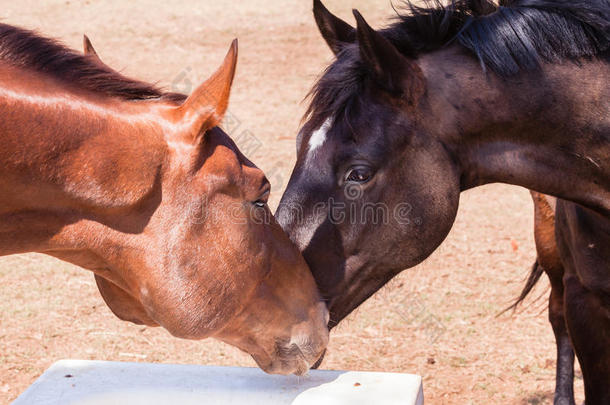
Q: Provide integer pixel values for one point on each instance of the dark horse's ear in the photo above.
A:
(334, 30)
(390, 69)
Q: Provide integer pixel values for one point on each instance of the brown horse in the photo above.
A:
(143, 188)
(549, 261)
(443, 100)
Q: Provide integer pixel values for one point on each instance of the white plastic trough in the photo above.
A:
(72, 382)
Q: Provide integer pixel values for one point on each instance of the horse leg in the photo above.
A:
(564, 375)
(549, 261)
(589, 325)
(583, 239)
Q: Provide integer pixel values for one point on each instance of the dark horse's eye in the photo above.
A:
(259, 203)
(359, 174)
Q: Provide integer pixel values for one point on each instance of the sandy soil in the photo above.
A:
(438, 320)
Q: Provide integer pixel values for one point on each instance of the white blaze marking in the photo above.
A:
(317, 139)
(319, 136)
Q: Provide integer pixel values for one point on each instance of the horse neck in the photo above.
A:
(73, 168)
(548, 130)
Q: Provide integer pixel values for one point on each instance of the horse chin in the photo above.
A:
(297, 366)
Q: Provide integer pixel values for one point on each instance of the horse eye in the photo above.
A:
(263, 199)
(358, 174)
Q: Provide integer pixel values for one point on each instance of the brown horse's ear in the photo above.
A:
(206, 106)
(88, 48)
(90, 51)
(336, 32)
(390, 69)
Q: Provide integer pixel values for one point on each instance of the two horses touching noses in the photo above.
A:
(144, 189)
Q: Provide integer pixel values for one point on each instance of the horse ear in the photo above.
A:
(388, 67)
(90, 51)
(206, 106)
(334, 30)
(88, 48)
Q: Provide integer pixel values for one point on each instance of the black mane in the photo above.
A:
(27, 49)
(516, 35)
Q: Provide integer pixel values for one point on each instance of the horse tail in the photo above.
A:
(532, 280)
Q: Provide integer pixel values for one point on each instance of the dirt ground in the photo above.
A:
(437, 320)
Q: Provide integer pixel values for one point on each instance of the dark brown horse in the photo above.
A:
(143, 188)
(444, 100)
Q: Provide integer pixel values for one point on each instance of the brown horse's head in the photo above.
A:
(216, 263)
(155, 198)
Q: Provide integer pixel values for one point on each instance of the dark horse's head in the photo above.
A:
(370, 195)
(405, 118)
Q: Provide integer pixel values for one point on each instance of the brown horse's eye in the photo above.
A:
(264, 198)
(359, 174)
